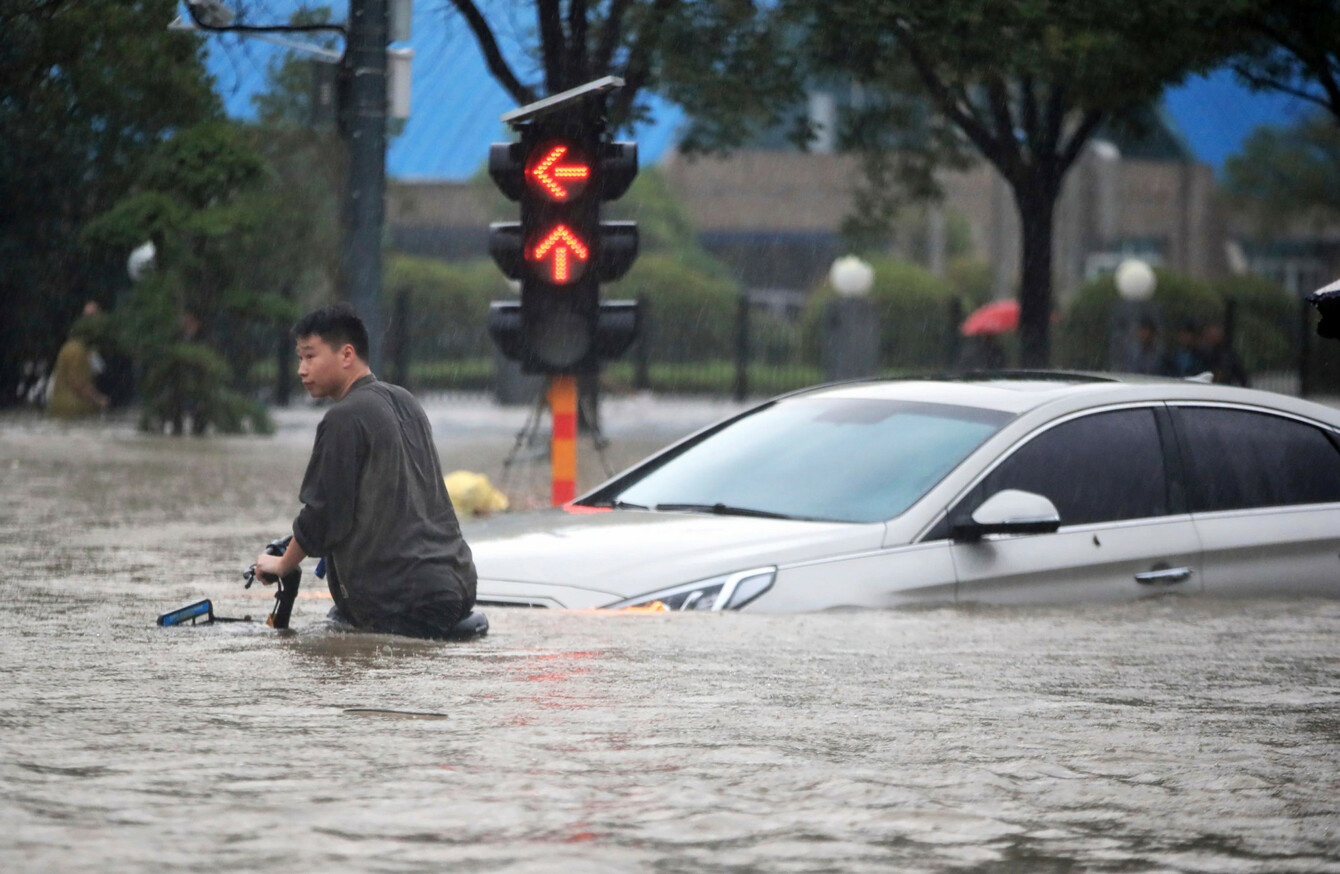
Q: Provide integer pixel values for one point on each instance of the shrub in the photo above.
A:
(448, 304)
(1082, 338)
(916, 316)
(1267, 322)
(690, 313)
(971, 279)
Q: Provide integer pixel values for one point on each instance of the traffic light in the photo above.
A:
(560, 171)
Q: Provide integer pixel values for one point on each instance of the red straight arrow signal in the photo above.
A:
(564, 245)
(553, 177)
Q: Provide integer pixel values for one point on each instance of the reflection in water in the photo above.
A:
(1174, 734)
(380, 713)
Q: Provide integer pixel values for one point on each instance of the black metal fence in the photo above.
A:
(765, 344)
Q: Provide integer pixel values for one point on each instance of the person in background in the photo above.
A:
(1185, 358)
(1220, 358)
(74, 393)
(1142, 353)
(982, 352)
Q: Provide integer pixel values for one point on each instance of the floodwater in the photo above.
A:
(1174, 734)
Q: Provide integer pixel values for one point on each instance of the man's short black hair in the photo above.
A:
(336, 324)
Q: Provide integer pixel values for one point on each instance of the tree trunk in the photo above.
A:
(1037, 206)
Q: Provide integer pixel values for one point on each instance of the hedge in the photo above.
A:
(1266, 316)
(916, 315)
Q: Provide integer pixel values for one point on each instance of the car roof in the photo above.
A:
(1019, 392)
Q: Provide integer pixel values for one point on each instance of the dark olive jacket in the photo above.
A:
(375, 506)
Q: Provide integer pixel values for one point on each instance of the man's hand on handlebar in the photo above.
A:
(269, 568)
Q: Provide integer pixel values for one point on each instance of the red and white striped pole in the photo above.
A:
(563, 445)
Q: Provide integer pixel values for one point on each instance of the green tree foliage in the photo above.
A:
(663, 223)
(1025, 82)
(1266, 321)
(1294, 48)
(289, 100)
(1282, 174)
(87, 90)
(689, 296)
(916, 310)
(971, 278)
(690, 313)
(1265, 318)
(729, 63)
(448, 304)
(203, 201)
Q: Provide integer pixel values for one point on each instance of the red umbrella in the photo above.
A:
(997, 317)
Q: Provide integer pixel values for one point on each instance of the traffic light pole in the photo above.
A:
(364, 128)
(560, 171)
(361, 111)
(563, 441)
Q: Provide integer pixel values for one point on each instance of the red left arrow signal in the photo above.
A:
(567, 252)
(558, 180)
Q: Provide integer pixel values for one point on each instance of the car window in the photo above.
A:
(1238, 459)
(842, 459)
(1098, 468)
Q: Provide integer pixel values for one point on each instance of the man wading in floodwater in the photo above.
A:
(374, 504)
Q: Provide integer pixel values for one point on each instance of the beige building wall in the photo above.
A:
(1105, 204)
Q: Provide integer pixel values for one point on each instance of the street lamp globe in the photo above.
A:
(851, 277)
(141, 261)
(1135, 280)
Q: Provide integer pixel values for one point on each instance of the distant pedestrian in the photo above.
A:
(188, 387)
(1220, 358)
(982, 352)
(74, 393)
(1143, 354)
(1185, 358)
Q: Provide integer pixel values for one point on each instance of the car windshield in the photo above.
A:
(840, 459)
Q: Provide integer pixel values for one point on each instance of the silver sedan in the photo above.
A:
(1042, 488)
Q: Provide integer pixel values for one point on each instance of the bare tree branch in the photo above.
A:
(999, 96)
(497, 64)
(1054, 119)
(553, 47)
(16, 11)
(577, 48)
(955, 106)
(1256, 80)
(609, 37)
(1313, 50)
(1078, 138)
(1028, 100)
(638, 68)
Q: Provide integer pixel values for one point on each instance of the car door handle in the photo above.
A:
(1164, 576)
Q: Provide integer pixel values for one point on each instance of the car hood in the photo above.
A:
(566, 559)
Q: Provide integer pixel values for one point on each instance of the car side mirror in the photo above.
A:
(1010, 511)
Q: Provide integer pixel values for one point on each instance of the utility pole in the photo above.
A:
(361, 114)
(363, 125)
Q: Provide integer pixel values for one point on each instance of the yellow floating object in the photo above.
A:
(472, 493)
(653, 607)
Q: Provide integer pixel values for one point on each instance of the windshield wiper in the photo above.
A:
(722, 510)
(617, 505)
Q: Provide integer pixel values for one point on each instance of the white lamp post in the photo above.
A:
(141, 261)
(851, 277)
(1135, 280)
(851, 324)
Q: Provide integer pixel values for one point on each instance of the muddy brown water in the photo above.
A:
(1175, 734)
